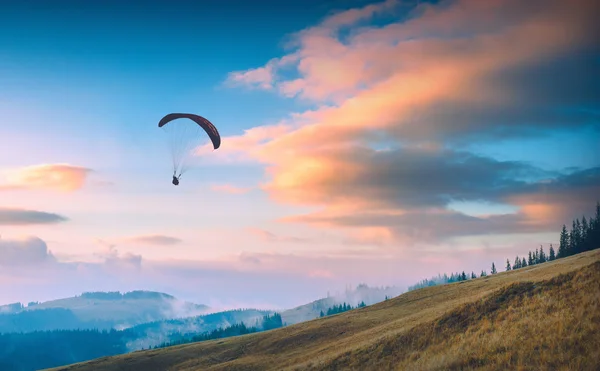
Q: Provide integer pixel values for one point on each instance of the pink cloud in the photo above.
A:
(228, 188)
(59, 177)
(267, 236)
(154, 239)
(418, 83)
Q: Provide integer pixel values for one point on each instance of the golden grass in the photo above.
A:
(544, 317)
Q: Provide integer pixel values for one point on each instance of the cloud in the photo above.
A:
(156, 239)
(60, 177)
(228, 188)
(13, 216)
(114, 260)
(383, 151)
(267, 236)
(26, 251)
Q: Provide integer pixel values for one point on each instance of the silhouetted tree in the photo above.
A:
(551, 255)
(473, 276)
(507, 265)
(530, 260)
(542, 256)
(523, 263)
(563, 247)
(494, 268)
(483, 273)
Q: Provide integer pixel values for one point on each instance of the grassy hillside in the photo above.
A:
(542, 317)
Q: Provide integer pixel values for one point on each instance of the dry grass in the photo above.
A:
(544, 317)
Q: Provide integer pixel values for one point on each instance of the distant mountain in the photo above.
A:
(101, 310)
(41, 349)
(155, 333)
(362, 293)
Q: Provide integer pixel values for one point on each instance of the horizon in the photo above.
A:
(363, 142)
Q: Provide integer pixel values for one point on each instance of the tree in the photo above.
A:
(536, 256)
(516, 263)
(483, 274)
(507, 265)
(473, 275)
(574, 240)
(552, 256)
(530, 260)
(523, 263)
(563, 247)
(584, 233)
(322, 314)
(494, 268)
(542, 257)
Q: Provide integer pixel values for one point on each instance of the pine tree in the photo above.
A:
(551, 256)
(322, 314)
(536, 257)
(584, 234)
(483, 274)
(507, 265)
(574, 245)
(530, 260)
(563, 247)
(494, 268)
(463, 276)
(542, 256)
(523, 263)
(473, 276)
(516, 263)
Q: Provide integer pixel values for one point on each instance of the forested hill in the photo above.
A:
(96, 310)
(44, 349)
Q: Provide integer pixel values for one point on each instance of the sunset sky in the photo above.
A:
(362, 142)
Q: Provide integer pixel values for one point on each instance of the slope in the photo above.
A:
(545, 315)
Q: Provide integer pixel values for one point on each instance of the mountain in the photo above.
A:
(362, 293)
(542, 316)
(101, 310)
(40, 349)
(155, 333)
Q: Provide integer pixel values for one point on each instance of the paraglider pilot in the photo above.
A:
(175, 180)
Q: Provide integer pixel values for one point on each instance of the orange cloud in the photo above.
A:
(59, 177)
(436, 77)
(228, 188)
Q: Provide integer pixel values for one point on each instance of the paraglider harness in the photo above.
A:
(176, 179)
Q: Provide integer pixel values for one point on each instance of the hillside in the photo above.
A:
(369, 295)
(102, 310)
(545, 314)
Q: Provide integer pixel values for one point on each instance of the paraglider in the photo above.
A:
(184, 136)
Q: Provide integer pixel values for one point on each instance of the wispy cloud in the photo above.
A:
(14, 216)
(267, 236)
(60, 177)
(231, 189)
(154, 239)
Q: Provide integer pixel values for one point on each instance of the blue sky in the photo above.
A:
(297, 90)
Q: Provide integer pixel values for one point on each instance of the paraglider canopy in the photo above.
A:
(185, 136)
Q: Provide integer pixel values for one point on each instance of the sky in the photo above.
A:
(362, 142)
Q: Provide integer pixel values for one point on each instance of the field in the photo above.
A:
(543, 317)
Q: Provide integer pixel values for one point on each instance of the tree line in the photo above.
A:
(340, 308)
(268, 322)
(583, 236)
